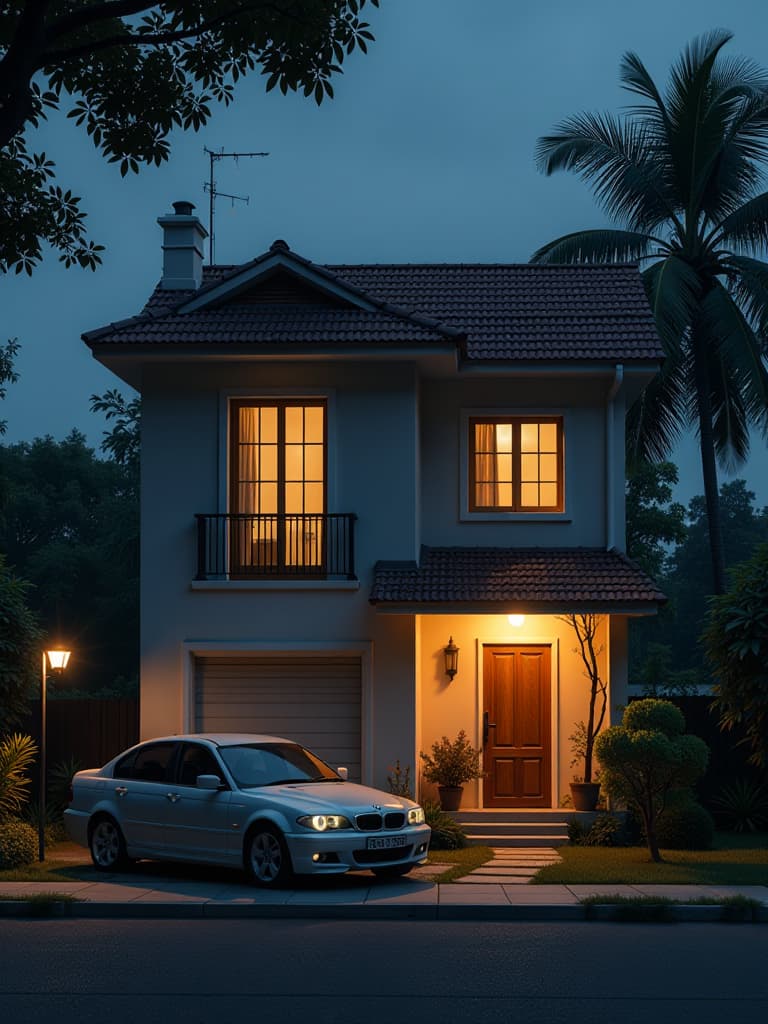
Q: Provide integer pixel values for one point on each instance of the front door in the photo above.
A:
(516, 726)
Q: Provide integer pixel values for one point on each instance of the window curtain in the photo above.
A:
(486, 466)
(248, 449)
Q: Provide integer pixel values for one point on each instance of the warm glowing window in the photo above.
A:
(278, 482)
(516, 464)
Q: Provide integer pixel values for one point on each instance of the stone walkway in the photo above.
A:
(512, 866)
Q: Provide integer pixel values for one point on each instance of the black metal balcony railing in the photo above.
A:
(241, 546)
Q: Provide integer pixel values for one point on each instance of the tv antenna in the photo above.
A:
(213, 192)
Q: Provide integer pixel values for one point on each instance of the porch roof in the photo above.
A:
(503, 580)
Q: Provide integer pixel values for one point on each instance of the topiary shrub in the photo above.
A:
(447, 834)
(685, 825)
(647, 757)
(18, 844)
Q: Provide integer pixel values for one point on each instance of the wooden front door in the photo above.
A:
(516, 726)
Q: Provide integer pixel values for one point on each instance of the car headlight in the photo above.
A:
(416, 816)
(324, 822)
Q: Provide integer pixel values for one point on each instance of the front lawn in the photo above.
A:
(734, 860)
(459, 862)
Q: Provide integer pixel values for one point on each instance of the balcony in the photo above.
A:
(282, 546)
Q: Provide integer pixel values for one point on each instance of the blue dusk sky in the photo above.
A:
(425, 154)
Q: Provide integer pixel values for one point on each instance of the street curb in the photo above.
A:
(596, 913)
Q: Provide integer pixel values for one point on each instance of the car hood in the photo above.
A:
(323, 796)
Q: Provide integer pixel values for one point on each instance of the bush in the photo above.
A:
(685, 825)
(18, 844)
(447, 834)
(452, 762)
(742, 805)
(605, 830)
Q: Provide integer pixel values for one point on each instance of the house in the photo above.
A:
(353, 475)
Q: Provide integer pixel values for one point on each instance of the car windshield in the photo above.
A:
(268, 764)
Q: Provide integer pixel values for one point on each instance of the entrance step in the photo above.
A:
(518, 828)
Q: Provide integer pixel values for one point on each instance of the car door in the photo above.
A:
(141, 783)
(198, 824)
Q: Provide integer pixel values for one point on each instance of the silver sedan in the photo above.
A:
(262, 803)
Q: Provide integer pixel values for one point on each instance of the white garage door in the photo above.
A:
(313, 700)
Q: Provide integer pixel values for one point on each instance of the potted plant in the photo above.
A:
(585, 788)
(449, 766)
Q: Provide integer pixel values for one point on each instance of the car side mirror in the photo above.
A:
(208, 782)
(343, 773)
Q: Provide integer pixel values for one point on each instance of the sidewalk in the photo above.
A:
(359, 896)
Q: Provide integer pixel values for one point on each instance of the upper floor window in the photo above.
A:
(515, 464)
(277, 484)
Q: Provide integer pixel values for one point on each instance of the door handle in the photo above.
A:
(173, 797)
(486, 727)
(121, 790)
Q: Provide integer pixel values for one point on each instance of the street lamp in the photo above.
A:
(58, 660)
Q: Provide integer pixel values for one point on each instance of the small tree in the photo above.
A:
(17, 755)
(646, 757)
(583, 739)
(736, 645)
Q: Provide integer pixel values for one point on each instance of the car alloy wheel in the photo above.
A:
(267, 858)
(107, 846)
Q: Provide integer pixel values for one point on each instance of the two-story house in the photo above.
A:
(350, 472)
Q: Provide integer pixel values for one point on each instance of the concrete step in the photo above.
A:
(516, 841)
(515, 828)
(526, 814)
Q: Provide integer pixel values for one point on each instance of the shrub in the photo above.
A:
(452, 762)
(685, 825)
(605, 830)
(17, 753)
(18, 844)
(399, 780)
(447, 834)
(648, 756)
(742, 805)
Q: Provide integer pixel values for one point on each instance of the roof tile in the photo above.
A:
(520, 576)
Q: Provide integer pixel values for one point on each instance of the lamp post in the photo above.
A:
(58, 660)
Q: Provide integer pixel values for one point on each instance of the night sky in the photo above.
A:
(426, 154)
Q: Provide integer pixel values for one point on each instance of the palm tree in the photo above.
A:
(681, 175)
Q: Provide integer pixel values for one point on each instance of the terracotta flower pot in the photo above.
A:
(450, 797)
(585, 795)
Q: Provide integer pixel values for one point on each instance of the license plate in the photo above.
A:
(386, 842)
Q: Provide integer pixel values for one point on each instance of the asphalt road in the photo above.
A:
(161, 972)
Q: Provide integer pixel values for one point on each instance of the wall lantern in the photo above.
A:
(516, 620)
(58, 661)
(451, 653)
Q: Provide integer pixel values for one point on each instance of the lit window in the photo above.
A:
(515, 464)
(277, 486)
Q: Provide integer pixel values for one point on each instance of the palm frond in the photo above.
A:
(619, 159)
(660, 416)
(748, 225)
(673, 289)
(748, 284)
(598, 246)
(635, 78)
(738, 375)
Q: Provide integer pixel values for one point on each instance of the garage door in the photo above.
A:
(313, 700)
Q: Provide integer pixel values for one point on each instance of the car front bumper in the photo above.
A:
(334, 852)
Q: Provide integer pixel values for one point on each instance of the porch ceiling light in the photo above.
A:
(516, 620)
(451, 652)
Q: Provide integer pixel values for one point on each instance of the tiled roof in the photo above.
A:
(493, 311)
(273, 325)
(535, 578)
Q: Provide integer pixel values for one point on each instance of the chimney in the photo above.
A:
(183, 237)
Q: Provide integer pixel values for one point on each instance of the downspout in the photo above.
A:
(610, 476)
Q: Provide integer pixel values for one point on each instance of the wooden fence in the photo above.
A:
(90, 731)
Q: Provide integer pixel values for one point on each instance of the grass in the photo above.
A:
(734, 860)
(67, 862)
(659, 908)
(459, 862)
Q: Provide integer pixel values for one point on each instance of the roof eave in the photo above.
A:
(563, 607)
